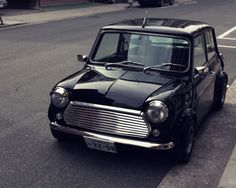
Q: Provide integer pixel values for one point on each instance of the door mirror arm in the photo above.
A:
(82, 58)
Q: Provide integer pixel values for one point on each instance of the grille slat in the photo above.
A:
(98, 114)
(110, 125)
(87, 125)
(117, 132)
(106, 119)
(116, 114)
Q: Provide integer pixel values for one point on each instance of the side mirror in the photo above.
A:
(82, 58)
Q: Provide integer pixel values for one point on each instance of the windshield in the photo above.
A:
(149, 50)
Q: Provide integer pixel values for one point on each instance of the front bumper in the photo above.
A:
(125, 141)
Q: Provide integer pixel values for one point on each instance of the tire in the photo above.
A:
(184, 144)
(60, 136)
(220, 93)
(172, 2)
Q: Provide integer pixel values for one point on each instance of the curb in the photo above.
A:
(56, 15)
(12, 25)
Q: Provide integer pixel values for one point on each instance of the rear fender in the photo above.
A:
(220, 78)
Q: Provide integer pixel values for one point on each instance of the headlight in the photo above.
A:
(157, 111)
(59, 97)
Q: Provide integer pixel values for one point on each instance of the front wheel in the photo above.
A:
(184, 144)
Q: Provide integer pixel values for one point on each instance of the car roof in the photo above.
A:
(162, 26)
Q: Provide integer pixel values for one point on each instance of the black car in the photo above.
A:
(159, 3)
(147, 83)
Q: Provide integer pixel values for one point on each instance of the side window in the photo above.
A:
(210, 46)
(199, 51)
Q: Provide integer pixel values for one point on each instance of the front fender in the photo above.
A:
(182, 121)
(51, 115)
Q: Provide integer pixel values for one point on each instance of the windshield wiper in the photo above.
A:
(153, 67)
(123, 63)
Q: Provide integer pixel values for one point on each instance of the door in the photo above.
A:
(214, 63)
(204, 77)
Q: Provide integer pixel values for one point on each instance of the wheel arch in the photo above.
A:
(187, 115)
(219, 78)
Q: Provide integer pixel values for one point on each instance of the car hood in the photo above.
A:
(113, 87)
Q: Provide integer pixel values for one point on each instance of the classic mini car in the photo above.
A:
(159, 3)
(146, 83)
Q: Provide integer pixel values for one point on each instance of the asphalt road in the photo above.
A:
(34, 58)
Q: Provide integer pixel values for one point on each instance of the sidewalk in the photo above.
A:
(228, 179)
(18, 17)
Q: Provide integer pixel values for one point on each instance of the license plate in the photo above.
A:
(100, 145)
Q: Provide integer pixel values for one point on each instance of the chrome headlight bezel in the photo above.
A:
(59, 97)
(157, 111)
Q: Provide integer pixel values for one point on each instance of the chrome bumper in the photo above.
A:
(125, 141)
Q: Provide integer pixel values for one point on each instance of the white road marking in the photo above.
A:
(226, 33)
(224, 46)
(227, 38)
(224, 37)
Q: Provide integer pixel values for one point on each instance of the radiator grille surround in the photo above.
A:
(107, 119)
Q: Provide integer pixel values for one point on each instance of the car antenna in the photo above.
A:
(145, 20)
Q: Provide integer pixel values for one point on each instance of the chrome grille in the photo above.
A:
(107, 119)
